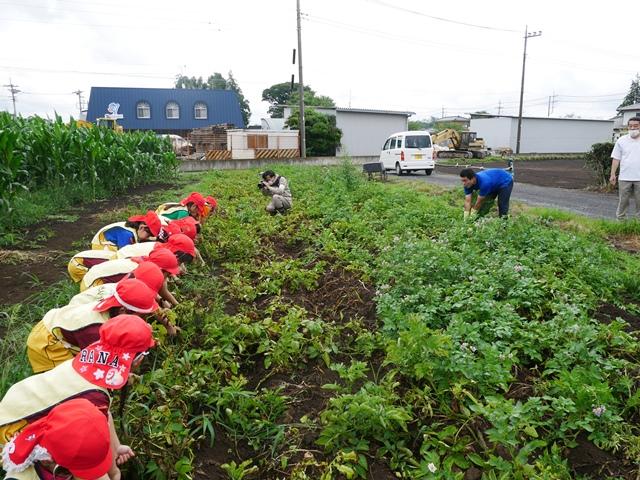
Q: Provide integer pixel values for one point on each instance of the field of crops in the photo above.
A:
(371, 333)
(37, 154)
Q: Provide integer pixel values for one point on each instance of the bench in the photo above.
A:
(372, 168)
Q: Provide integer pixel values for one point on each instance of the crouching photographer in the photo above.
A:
(276, 187)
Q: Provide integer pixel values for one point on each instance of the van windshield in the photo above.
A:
(417, 141)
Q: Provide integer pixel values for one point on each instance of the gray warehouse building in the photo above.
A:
(541, 134)
(364, 131)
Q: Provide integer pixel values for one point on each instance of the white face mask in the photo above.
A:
(634, 133)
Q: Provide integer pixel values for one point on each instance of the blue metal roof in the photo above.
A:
(222, 107)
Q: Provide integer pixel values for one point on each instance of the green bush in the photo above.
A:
(599, 160)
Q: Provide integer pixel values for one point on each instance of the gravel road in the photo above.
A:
(591, 204)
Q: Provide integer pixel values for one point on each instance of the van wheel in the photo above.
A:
(398, 169)
(428, 171)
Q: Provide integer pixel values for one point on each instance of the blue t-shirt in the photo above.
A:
(121, 237)
(488, 182)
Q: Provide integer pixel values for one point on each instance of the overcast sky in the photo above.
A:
(410, 55)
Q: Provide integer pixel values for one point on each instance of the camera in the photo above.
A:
(261, 185)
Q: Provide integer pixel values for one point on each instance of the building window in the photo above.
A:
(200, 111)
(257, 141)
(143, 110)
(173, 110)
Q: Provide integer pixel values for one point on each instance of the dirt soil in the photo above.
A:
(571, 174)
(606, 313)
(25, 272)
(592, 462)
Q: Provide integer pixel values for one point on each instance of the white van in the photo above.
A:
(406, 152)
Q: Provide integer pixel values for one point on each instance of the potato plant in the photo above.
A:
(372, 333)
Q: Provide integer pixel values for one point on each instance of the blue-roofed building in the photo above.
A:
(166, 110)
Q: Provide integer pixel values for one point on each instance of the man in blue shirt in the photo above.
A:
(490, 184)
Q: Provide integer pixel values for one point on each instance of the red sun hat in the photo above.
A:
(107, 362)
(210, 205)
(75, 435)
(131, 294)
(180, 243)
(173, 227)
(152, 221)
(150, 274)
(188, 226)
(165, 260)
(195, 198)
(212, 202)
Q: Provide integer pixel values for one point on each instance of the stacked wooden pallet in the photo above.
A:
(213, 137)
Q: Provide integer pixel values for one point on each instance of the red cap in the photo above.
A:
(107, 362)
(152, 221)
(75, 435)
(173, 227)
(150, 274)
(188, 226)
(131, 294)
(164, 259)
(180, 243)
(195, 198)
(212, 202)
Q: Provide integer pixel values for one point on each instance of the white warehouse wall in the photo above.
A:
(365, 133)
(543, 135)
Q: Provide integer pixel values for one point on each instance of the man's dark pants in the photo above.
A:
(503, 194)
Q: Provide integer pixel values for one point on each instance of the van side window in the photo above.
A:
(428, 142)
(386, 144)
(393, 143)
(399, 144)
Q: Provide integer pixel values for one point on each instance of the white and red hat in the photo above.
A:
(197, 199)
(210, 205)
(131, 294)
(75, 435)
(107, 362)
(150, 274)
(180, 243)
(151, 220)
(186, 225)
(165, 260)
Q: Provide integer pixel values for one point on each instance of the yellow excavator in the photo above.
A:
(461, 144)
(110, 123)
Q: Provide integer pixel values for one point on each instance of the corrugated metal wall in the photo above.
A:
(222, 107)
(365, 133)
(543, 135)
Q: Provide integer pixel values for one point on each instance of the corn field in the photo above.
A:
(36, 153)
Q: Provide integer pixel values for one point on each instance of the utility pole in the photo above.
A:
(79, 93)
(552, 104)
(527, 35)
(13, 89)
(442, 112)
(499, 106)
(303, 143)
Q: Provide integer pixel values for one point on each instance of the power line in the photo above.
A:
(110, 25)
(441, 19)
(391, 36)
(51, 70)
(169, 21)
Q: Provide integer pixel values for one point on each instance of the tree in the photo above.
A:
(457, 126)
(217, 82)
(633, 96)
(321, 134)
(424, 124)
(280, 95)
